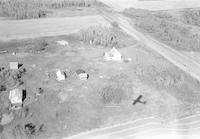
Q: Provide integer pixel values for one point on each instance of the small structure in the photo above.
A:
(113, 55)
(14, 65)
(14, 53)
(63, 43)
(90, 42)
(60, 75)
(82, 75)
(17, 97)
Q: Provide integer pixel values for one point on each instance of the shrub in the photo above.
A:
(116, 89)
(191, 17)
(110, 94)
(115, 24)
(98, 35)
(10, 78)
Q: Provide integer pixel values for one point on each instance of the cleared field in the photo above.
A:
(153, 5)
(22, 29)
(105, 99)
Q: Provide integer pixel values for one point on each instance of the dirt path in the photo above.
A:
(147, 127)
(22, 29)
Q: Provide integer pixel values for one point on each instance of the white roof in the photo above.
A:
(63, 42)
(15, 96)
(14, 65)
(60, 76)
(113, 54)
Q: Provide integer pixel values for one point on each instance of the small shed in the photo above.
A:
(113, 55)
(17, 97)
(63, 43)
(14, 65)
(60, 75)
(82, 75)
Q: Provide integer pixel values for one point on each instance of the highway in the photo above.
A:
(148, 128)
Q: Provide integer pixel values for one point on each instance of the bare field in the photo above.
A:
(21, 29)
(73, 106)
(153, 5)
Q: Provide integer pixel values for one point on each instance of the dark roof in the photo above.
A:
(79, 71)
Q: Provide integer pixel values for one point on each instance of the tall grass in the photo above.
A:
(26, 9)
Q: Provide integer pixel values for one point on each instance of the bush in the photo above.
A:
(191, 17)
(115, 24)
(98, 35)
(110, 94)
(10, 78)
(116, 89)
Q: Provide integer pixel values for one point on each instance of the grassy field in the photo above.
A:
(59, 109)
(26, 9)
(174, 31)
(73, 106)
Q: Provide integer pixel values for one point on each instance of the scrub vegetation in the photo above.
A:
(165, 27)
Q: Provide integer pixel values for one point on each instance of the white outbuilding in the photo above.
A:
(60, 76)
(63, 43)
(14, 65)
(113, 55)
(16, 98)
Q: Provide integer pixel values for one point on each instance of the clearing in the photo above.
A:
(142, 84)
(69, 107)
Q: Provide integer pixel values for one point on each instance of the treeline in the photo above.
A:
(99, 36)
(27, 9)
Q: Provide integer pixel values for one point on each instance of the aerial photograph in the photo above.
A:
(99, 69)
